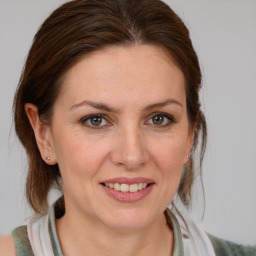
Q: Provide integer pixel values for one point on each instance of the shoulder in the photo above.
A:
(227, 248)
(7, 247)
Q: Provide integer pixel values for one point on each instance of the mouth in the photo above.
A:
(128, 190)
(123, 187)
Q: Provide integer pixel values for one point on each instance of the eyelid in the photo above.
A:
(85, 118)
(168, 116)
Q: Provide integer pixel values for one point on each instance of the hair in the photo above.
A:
(78, 28)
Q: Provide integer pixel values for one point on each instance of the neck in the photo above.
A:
(78, 235)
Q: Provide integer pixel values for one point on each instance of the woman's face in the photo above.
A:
(120, 135)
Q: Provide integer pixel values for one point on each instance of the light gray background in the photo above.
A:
(224, 35)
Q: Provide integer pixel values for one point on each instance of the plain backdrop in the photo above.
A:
(224, 36)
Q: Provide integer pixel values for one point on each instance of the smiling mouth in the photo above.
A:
(123, 187)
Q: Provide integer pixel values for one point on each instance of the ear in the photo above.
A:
(42, 133)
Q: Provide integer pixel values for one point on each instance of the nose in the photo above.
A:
(129, 149)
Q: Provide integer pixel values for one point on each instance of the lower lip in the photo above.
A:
(128, 197)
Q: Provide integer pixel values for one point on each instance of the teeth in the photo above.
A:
(133, 188)
(117, 186)
(126, 187)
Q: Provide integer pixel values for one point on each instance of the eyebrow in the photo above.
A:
(163, 104)
(93, 104)
(107, 108)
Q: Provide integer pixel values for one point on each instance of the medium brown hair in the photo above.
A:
(82, 26)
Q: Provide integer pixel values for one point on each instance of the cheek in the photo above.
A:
(169, 153)
(78, 157)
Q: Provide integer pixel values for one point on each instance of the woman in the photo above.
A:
(108, 111)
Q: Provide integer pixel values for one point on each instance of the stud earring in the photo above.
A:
(47, 158)
(187, 155)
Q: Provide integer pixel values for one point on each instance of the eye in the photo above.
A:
(95, 121)
(161, 120)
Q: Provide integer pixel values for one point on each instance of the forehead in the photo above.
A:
(144, 72)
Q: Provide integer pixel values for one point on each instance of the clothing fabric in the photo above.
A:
(223, 247)
(39, 238)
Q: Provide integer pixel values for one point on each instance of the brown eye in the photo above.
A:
(96, 120)
(161, 120)
(158, 119)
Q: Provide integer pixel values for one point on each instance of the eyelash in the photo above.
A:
(170, 120)
(87, 118)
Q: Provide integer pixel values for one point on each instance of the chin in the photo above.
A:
(124, 219)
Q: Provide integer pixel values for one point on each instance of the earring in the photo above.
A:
(187, 155)
(47, 158)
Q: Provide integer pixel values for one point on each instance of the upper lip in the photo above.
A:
(125, 180)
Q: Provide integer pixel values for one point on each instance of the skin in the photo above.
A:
(128, 144)
(7, 246)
